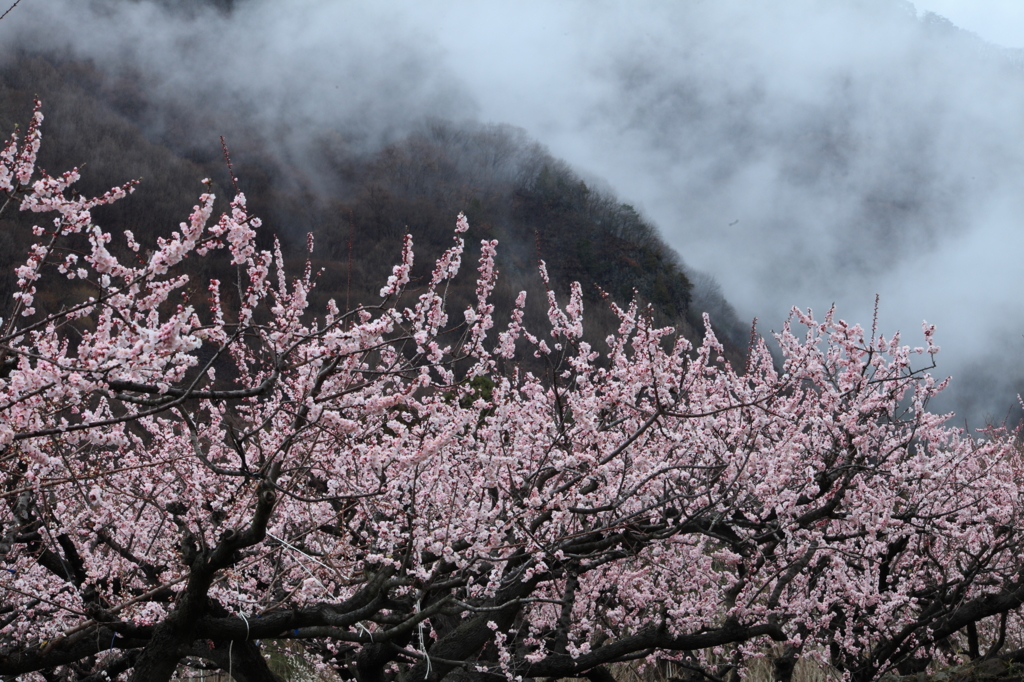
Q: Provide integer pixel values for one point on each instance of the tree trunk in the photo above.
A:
(160, 658)
(1005, 668)
(784, 665)
(242, 661)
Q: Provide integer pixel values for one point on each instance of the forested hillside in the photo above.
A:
(358, 203)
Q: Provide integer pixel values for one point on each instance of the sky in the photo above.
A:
(1000, 22)
(802, 152)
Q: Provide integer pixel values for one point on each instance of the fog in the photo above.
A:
(805, 152)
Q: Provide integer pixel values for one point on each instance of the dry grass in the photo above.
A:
(754, 670)
(287, 659)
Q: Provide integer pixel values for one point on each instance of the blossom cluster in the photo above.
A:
(649, 501)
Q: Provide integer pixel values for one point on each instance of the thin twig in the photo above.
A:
(227, 159)
(9, 9)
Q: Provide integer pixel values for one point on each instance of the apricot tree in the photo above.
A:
(189, 470)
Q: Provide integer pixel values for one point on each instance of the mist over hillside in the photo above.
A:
(357, 208)
(802, 153)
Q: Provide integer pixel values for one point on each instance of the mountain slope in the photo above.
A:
(357, 203)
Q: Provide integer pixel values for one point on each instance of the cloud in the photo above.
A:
(288, 68)
(805, 153)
